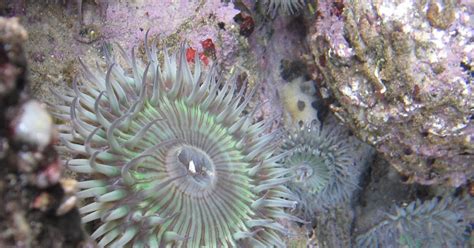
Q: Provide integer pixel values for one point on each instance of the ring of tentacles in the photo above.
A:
(322, 160)
(170, 157)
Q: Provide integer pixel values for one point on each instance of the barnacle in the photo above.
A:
(322, 161)
(171, 156)
(438, 222)
(284, 6)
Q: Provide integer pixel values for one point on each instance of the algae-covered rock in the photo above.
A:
(401, 74)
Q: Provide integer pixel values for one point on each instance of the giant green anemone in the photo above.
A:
(322, 161)
(170, 157)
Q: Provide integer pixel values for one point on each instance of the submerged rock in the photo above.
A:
(401, 73)
(37, 206)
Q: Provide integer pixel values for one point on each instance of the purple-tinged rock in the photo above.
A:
(401, 72)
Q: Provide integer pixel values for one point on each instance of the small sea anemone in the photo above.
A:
(284, 6)
(438, 222)
(322, 160)
(171, 157)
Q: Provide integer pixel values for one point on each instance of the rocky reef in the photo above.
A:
(388, 76)
(401, 74)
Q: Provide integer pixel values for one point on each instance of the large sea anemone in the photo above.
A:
(171, 157)
(322, 161)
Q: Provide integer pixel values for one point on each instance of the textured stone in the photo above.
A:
(401, 73)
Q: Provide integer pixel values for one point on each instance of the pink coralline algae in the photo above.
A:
(401, 74)
(174, 22)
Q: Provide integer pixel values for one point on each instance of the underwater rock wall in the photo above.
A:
(401, 74)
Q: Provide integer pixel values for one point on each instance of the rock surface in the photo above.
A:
(38, 207)
(401, 72)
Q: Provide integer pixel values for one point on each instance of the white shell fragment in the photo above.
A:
(34, 125)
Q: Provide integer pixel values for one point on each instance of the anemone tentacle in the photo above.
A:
(171, 156)
(284, 6)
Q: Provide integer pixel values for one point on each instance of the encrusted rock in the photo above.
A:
(36, 210)
(401, 73)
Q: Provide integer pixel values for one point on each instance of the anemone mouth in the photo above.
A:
(199, 170)
(311, 169)
(171, 157)
(303, 172)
